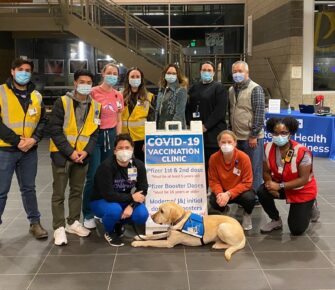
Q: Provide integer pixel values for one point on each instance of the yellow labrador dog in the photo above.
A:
(225, 231)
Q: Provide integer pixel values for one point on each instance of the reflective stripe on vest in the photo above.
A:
(134, 123)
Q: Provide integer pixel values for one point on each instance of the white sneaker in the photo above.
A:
(246, 222)
(90, 223)
(78, 229)
(271, 226)
(60, 237)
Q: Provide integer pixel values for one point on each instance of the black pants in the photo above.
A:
(299, 215)
(246, 199)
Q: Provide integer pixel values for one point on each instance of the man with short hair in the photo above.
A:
(22, 121)
(246, 102)
(74, 132)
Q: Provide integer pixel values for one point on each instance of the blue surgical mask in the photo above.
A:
(170, 78)
(111, 80)
(84, 89)
(135, 83)
(22, 77)
(280, 140)
(238, 77)
(206, 76)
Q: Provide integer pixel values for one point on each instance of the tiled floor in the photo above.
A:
(276, 261)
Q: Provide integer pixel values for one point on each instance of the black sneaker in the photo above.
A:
(119, 229)
(113, 240)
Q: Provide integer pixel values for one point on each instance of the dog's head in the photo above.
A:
(168, 213)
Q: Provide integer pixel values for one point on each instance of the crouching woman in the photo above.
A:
(120, 187)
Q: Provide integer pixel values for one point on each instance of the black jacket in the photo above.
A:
(55, 129)
(109, 171)
(7, 134)
(210, 102)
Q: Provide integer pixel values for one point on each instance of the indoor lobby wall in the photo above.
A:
(277, 34)
(7, 54)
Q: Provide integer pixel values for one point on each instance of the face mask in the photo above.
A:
(170, 78)
(135, 83)
(280, 140)
(22, 77)
(227, 148)
(206, 76)
(84, 89)
(111, 80)
(124, 155)
(238, 77)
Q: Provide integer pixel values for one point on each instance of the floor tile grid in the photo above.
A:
(39, 268)
(187, 274)
(111, 275)
(22, 209)
(259, 264)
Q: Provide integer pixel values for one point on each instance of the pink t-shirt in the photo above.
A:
(111, 104)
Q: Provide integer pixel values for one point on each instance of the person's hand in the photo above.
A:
(74, 156)
(81, 156)
(128, 211)
(138, 197)
(222, 199)
(274, 193)
(252, 142)
(26, 143)
(272, 186)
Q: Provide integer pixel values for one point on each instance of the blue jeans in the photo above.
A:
(111, 213)
(256, 157)
(103, 149)
(25, 167)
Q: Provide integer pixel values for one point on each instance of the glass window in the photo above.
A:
(324, 46)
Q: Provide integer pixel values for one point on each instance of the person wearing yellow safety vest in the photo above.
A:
(138, 109)
(22, 121)
(74, 130)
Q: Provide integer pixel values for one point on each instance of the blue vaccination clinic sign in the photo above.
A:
(174, 149)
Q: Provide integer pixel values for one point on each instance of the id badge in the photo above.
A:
(237, 171)
(280, 169)
(118, 105)
(132, 174)
(139, 103)
(97, 121)
(196, 115)
(32, 112)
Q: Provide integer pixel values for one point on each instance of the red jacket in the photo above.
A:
(290, 171)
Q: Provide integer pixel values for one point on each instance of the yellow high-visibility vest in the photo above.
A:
(78, 138)
(134, 123)
(13, 115)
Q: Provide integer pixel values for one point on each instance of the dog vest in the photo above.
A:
(194, 226)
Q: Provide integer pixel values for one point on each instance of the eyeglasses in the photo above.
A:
(282, 133)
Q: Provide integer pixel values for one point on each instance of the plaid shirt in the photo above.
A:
(257, 104)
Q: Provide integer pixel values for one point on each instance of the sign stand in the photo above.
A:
(175, 169)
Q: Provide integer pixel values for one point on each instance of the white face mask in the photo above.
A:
(124, 155)
(227, 148)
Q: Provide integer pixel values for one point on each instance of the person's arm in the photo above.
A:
(220, 101)
(8, 135)
(92, 142)
(119, 123)
(181, 100)
(246, 178)
(214, 177)
(151, 113)
(257, 104)
(104, 183)
(39, 130)
(56, 129)
(142, 181)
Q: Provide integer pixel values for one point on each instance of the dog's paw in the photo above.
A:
(140, 237)
(136, 244)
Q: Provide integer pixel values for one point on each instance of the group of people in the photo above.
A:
(97, 147)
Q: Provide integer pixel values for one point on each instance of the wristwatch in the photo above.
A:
(282, 185)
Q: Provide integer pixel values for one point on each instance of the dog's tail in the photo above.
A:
(232, 249)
